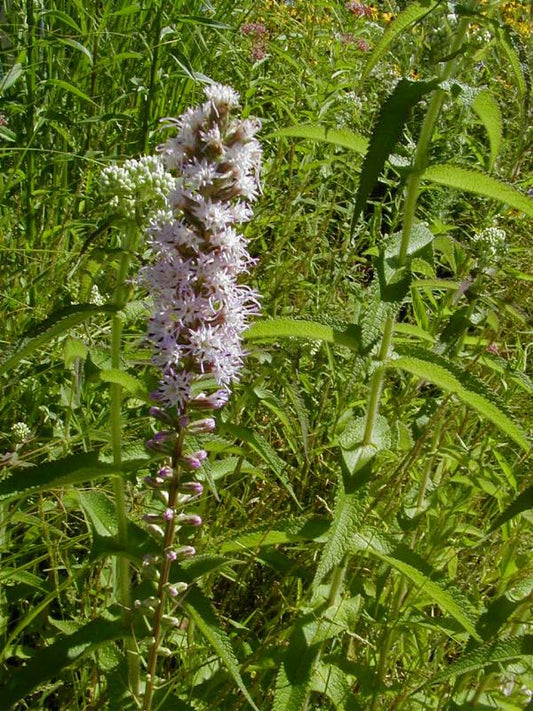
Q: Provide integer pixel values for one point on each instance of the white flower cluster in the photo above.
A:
(20, 431)
(137, 183)
(200, 309)
(491, 245)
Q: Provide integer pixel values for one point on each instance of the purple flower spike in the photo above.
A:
(200, 308)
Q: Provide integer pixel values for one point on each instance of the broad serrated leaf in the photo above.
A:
(270, 329)
(280, 533)
(100, 510)
(293, 682)
(474, 181)
(342, 137)
(412, 13)
(386, 133)
(60, 656)
(465, 386)
(72, 469)
(488, 110)
(348, 513)
(523, 502)
(409, 564)
(55, 325)
(500, 652)
(127, 382)
(338, 686)
(201, 611)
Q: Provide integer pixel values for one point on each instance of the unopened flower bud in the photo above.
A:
(176, 589)
(194, 488)
(168, 514)
(165, 472)
(149, 559)
(153, 528)
(204, 426)
(189, 520)
(210, 402)
(194, 461)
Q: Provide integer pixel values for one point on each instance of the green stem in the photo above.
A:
(169, 541)
(409, 210)
(30, 123)
(122, 574)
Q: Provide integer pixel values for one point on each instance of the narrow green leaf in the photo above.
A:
(519, 68)
(488, 110)
(55, 325)
(270, 329)
(267, 453)
(473, 181)
(201, 20)
(10, 78)
(76, 45)
(500, 652)
(387, 131)
(466, 387)
(201, 611)
(412, 13)
(342, 137)
(55, 659)
(73, 469)
(70, 88)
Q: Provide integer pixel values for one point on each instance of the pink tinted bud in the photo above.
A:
(189, 520)
(192, 487)
(176, 589)
(171, 556)
(204, 426)
(161, 415)
(211, 402)
(165, 472)
(168, 514)
(191, 462)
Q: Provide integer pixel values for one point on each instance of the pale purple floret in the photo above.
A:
(200, 309)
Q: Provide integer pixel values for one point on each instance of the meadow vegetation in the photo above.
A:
(366, 538)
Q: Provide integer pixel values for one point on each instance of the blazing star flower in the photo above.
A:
(200, 308)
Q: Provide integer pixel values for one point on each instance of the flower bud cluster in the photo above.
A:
(200, 309)
(137, 183)
(491, 246)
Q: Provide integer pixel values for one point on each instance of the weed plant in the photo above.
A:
(367, 498)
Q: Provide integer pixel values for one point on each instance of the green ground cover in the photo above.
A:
(366, 537)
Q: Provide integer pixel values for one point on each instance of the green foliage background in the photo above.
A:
(435, 603)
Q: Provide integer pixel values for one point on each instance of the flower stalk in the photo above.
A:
(199, 313)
